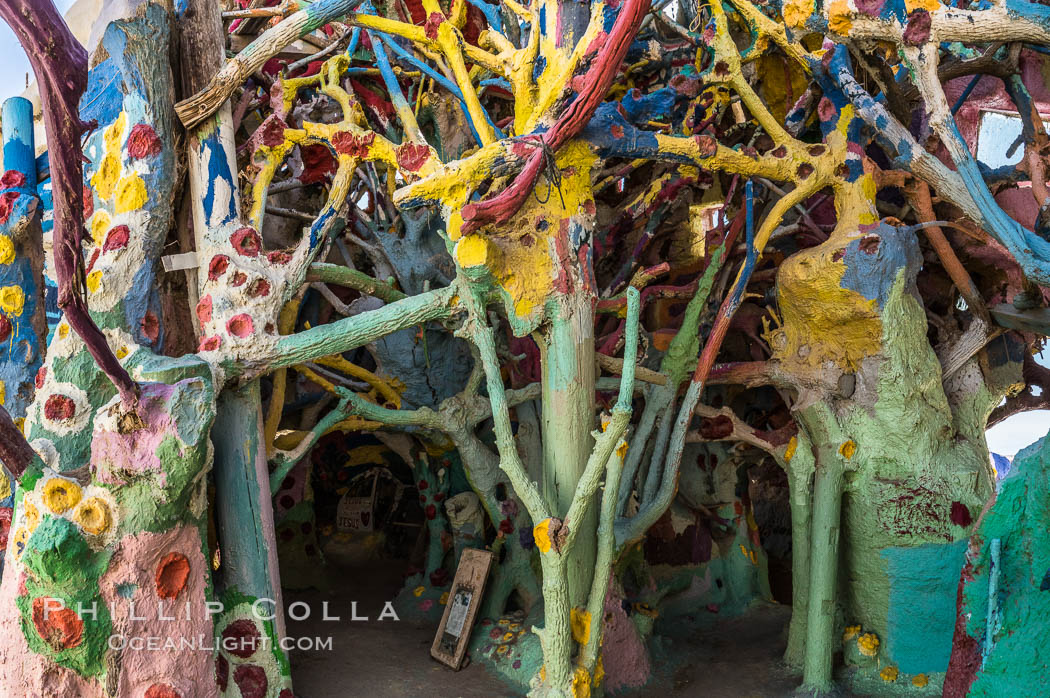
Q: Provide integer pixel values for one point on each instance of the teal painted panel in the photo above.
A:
(923, 584)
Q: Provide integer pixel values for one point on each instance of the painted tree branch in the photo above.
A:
(60, 66)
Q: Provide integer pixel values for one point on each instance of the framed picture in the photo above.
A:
(464, 600)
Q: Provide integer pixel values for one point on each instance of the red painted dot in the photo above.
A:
(161, 690)
(171, 576)
(59, 627)
(430, 511)
(422, 485)
(251, 680)
(204, 310)
(411, 156)
(241, 638)
(89, 203)
(506, 526)
(150, 326)
(239, 277)
(5, 526)
(247, 242)
(143, 141)
(217, 267)
(5, 328)
(7, 203)
(240, 325)
(346, 143)
(259, 288)
(210, 343)
(41, 376)
(59, 407)
(279, 257)
(117, 238)
(12, 179)
(286, 693)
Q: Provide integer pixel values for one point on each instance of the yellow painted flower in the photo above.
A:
(21, 536)
(888, 674)
(60, 495)
(581, 625)
(541, 534)
(847, 449)
(131, 194)
(507, 637)
(839, 18)
(94, 280)
(100, 224)
(444, 599)
(581, 683)
(851, 632)
(868, 644)
(92, 515)
(12, 300)
(796, 12)
(789, 452)
(502, 649)
(920, 680)
(418, 591)
(32, 516)
(7, 250)
(63, 330)
(122, 352)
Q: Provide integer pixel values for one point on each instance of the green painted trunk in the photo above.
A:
(567, 357)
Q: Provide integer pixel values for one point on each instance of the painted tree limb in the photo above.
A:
(193, 110)
(352, 332)
(596, 83)
(15, 452)
(60, 66)
(352, 278)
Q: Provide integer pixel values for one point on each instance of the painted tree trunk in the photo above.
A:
(914, 442)
(567, 360)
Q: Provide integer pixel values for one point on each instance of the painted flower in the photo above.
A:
(32, 516)
(868, 644)
(444, 599)
(12, 300)
(851, 632)
(92, 515)
(920, 680)
(7, 250)
(21, 536)
(60, 495)
(418, 591)
(888, 674)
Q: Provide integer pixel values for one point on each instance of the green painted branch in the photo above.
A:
(603, 566)
(509, 461)
(679, 361)
(352, 278)
(823, 429)
(284, 461)
(352, 332)
(800, 467)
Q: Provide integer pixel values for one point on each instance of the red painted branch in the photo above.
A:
(602, 71)
(60, 65)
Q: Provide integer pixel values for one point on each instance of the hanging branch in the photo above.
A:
(60, 66)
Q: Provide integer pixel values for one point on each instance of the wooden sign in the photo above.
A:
(464, 600)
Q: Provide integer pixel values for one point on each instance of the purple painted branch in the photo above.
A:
(60, 65)
(15, 452)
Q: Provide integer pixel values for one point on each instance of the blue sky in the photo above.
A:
(1006, 438)
(13, 60)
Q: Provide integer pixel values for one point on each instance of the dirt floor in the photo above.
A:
(731, 658)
